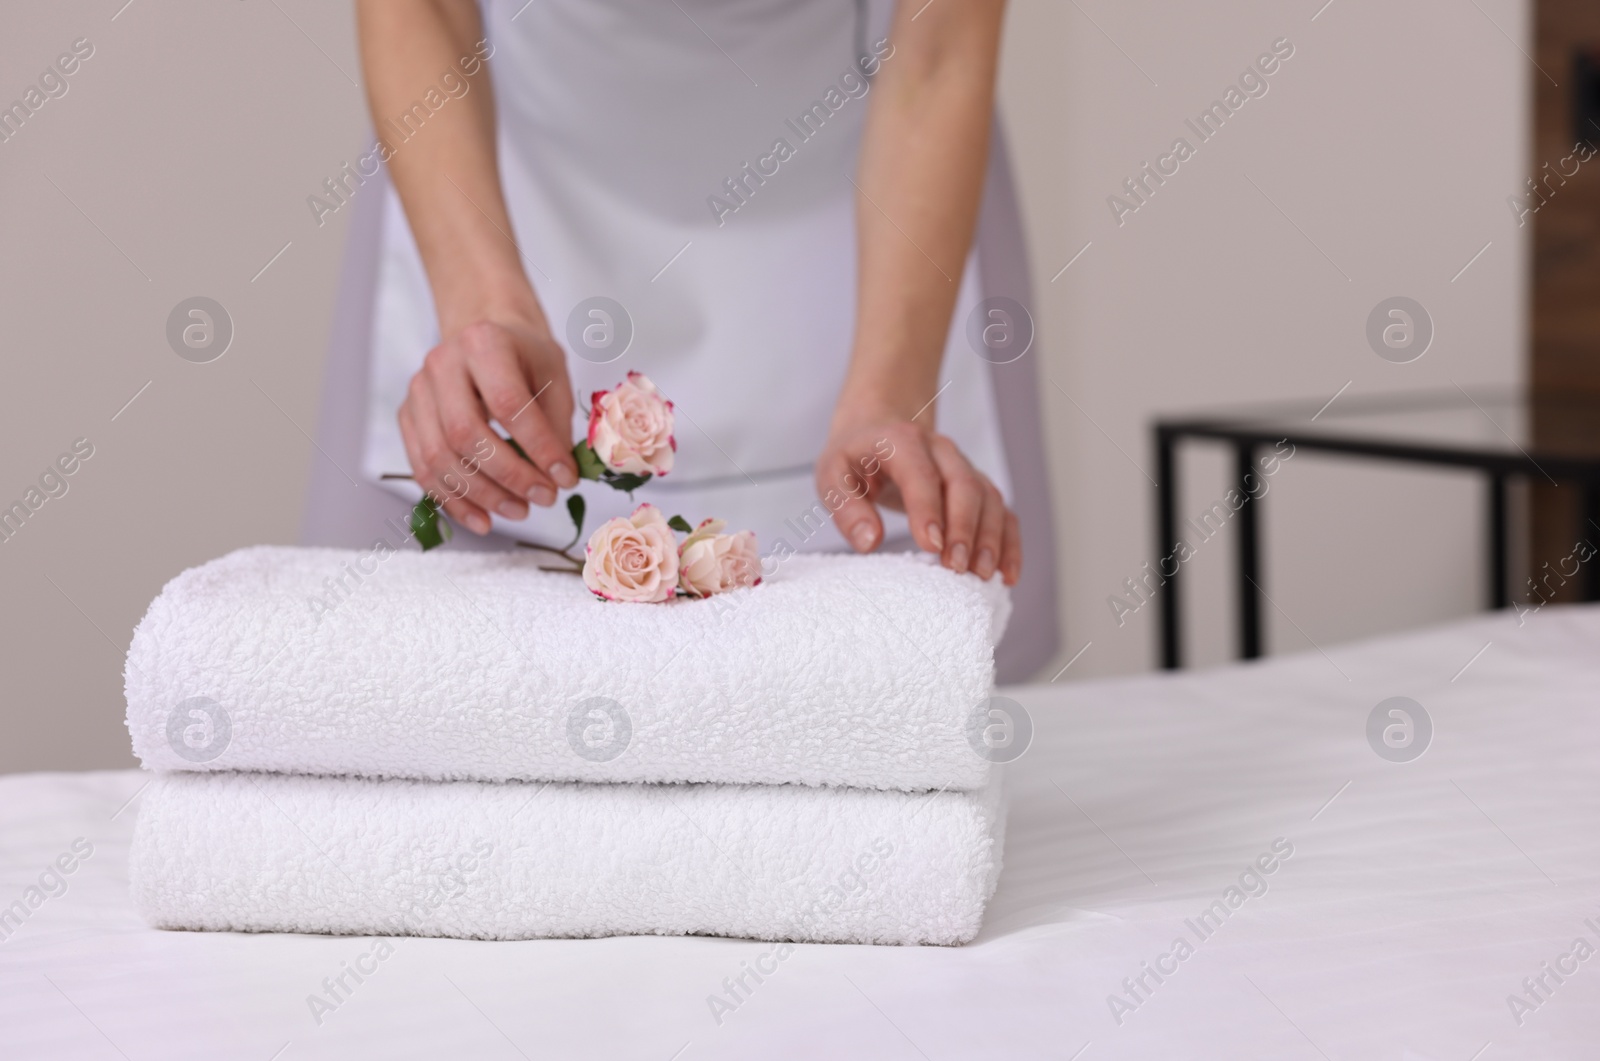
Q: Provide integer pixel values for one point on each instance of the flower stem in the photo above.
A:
(577, 565)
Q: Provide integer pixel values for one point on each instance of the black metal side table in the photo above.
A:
(1554, 438)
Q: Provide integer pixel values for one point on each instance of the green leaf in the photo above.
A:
(425, 525)
(589, 465)
(627, 482)
(678, 523)
(575, 508)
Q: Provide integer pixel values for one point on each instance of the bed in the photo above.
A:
(1408, 906)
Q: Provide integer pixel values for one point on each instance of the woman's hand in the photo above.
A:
(954, 510)
(508, 369)
(923, 156)
(498, 360)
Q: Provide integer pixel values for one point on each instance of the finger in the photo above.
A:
(497, 374)
(433, 462)
(556, 402)
(420, 471)
(921, 488)
(443, 487)
(504, 393)
(991, 533)
(467, 434)
(963, 503)
(491, 352)
(840, 478)
(494, 386)
(1011, 551)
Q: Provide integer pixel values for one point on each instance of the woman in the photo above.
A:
(588, 187)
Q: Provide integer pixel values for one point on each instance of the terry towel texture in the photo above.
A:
(838, 670)
(258, 852)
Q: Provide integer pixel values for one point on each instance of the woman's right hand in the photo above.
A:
(504, 367)
(498, 360)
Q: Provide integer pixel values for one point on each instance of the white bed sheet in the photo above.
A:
(1415, 902)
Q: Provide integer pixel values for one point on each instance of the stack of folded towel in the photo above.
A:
(463, 745)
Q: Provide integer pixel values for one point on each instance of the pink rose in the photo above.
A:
(630, 427)
(712, 562)
(633, 559)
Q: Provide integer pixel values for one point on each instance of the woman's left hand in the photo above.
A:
(953, 508)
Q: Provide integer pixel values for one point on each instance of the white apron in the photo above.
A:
(622, 124)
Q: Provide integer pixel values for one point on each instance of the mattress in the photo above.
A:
(1335, 895)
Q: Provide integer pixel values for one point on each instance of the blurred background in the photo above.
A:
(1387, 158)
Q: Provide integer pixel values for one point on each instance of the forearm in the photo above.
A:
(923, 160)
(443, 157)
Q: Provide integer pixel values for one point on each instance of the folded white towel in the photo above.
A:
(868, 672)
(272, 853)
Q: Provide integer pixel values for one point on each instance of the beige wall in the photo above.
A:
(188, 141)
(179, 160)
(1390, 140)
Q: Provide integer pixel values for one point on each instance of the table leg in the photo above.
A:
(1166, 535)
(1249, 558)
(1499, 545)
(1590, 532)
